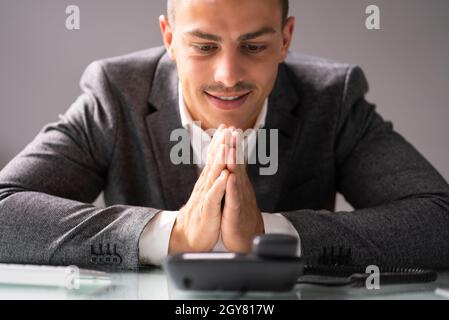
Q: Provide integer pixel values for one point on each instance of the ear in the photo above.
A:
(167, 35)
(287, 36)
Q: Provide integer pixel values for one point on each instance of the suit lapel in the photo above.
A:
(176, 181)
(283, 102)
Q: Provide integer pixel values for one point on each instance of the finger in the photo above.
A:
(212, 152)
(238, 142)
(227, 137)
(214, 196)
(231, 140)
(239, 171)
(232, 197)
(204, 174)
(231, 160)
(217, 166)
(217, 140)
(234, 140)
(218, 135)
(204, 181)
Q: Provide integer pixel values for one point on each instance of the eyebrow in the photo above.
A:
(245, 37)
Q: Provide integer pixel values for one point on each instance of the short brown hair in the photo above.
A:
(284, 5)
(285, 9)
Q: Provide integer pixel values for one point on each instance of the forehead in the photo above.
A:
(228, 16)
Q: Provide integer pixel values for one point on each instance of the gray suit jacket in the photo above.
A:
(115, 138)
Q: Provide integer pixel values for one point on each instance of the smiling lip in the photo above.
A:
(227, 104)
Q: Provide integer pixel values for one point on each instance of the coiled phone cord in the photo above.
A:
(335, 268)
(357, 276)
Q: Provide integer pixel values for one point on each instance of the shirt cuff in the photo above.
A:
(155, 238)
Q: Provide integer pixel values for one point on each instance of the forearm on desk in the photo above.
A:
(38, 228)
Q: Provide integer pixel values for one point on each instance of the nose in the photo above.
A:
(228, 70)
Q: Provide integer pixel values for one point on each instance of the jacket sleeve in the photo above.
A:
(401, 215)
(45, 191)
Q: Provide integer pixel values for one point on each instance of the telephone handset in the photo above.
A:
(274, 266)
(271, 266)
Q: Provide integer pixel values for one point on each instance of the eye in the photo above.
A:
(253, 48)
(205, 48)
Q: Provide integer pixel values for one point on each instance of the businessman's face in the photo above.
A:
(227, 53)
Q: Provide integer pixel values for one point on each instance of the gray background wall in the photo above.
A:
(407, 62)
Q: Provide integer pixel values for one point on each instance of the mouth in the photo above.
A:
(227, 102)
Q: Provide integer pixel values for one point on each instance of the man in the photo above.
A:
(225, 67)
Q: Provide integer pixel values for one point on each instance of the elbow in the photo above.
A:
(442, 201)
(7, 191)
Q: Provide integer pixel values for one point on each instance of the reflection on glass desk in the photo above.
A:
(152, 284)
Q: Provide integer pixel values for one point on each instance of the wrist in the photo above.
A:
(177, 243)
(260, 228)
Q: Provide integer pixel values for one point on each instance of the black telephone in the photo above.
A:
(274, 266)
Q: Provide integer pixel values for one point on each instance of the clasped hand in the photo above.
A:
(204, 217)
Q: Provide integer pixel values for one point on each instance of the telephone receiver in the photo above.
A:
(272, 265)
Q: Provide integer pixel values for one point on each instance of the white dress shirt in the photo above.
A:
(154, 241)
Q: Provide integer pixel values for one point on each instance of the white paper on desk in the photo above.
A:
(442, 293)
(70, 277)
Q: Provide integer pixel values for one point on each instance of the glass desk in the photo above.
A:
(152, 284)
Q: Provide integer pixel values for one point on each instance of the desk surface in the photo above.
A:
(154, 285)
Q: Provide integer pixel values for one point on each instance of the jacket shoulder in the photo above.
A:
(317, 73)
(135, 62)
(130, 73)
